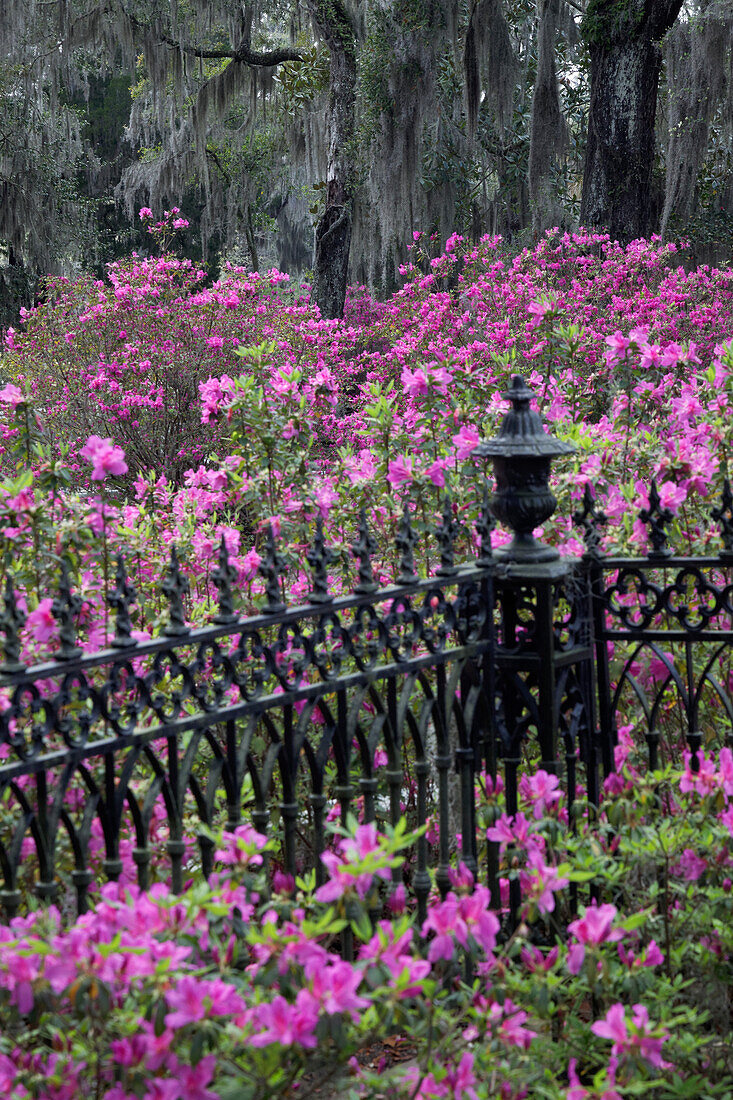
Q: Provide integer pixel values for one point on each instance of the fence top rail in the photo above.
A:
(463, 575)
(139, 691)
(677, 561)
(657, 518)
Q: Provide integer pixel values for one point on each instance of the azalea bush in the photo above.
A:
(148, 412)
(237, 408)
(254, 985)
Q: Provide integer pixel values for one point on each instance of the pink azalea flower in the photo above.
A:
(400, 472)
(364, 842)
(397, 900)
(463, 1078)
(536, 961)
(538, 310)
(651, 355)
(162, 1089)
(705, 780)
(618, 346)
(186, 1000)
(429, 1088)
(671, 496)
(436, 473)
(542, 790)
(510, 1020)
(480, 922)
(594, 927)
(690, 866)
(335, 987)
(361, 469)
(192, 1080)
(510, 830)
(443, 919)
(415, 383)
(540, 882)
(105, 458)
(42, 624)
(576, 958)
(613, 1026)
(129, 1052)
(652, 956)
(11, 395)
(242, 847)
(466, 441)
(250, 563)
(725, 765)
(288, 1024)
(631, 1037)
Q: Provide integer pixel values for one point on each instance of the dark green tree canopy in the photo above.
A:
(320, 133)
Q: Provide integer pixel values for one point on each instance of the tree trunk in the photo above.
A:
(333, 232)
(548, 131)
(697, 55)
(625, 62)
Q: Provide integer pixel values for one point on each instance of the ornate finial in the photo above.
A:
(363, 549)
(446, 534)
(121, 599)
(485, 524)
(724, 516)
(319, 557)
(405, 543)
(11, 622)
(591, 519)
(272, 569)
(175, 586)
(65, 608)
(522, 455)
(223, 576)
(657, 518)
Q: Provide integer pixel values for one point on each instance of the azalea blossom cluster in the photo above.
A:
(317, 419)
(240, 982)
(149, 411)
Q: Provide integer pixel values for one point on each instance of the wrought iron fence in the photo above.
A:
(278, 716)
(389, 700)
(663, 633)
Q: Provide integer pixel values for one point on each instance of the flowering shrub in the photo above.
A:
(149, 411)
(239, 987)
(236, 407)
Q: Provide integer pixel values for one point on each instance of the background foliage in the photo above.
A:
(140, 103)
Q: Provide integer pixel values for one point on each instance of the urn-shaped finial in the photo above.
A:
(522, 454)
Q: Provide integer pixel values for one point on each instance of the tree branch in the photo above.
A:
(242, 54)
(215, 159)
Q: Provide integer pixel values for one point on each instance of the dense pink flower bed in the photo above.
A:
(237, 407)
(148, 411)
(237, 989)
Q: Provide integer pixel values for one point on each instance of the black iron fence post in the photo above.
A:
(602, 730)
(529, 571)
(532, 666)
